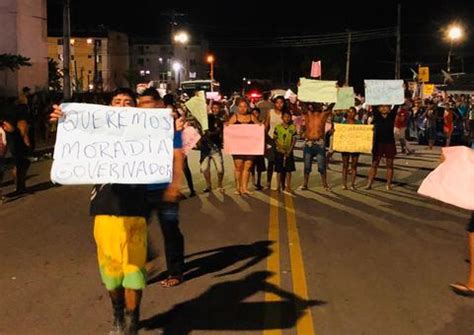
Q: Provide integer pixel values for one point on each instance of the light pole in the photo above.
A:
(455, 33)
(210, 60)
(177, 69)
(182, 38)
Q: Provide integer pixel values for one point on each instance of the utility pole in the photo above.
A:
(348, 60)
(399, 39)
(66, 50)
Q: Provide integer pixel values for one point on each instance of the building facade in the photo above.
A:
(168, 64)
(24, 32)
(99, 61)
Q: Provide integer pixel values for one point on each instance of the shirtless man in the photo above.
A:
(315, 116)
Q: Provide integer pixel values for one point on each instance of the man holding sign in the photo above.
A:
(120, 233)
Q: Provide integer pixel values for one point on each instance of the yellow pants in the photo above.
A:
(121, 251)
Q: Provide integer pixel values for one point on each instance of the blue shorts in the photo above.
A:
(311, 150)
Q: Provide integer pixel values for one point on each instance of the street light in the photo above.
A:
(455, 33)
(181, 37)
(210, 60)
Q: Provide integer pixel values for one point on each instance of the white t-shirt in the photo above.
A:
(275, 119)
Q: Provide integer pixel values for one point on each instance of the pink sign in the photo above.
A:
(190, 138)
(316, 69)
(452, 181)
(213, 96)
(244, 139)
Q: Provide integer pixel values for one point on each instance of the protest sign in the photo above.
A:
(213, 96)
(198, 108)
(353, 138)
(244, 139)
(190, 138)
(345, 98)
(101, 144)
(384, 92)
(452, 181)
(428, 90)
(424, 74)
(316, 69)
(317, 91)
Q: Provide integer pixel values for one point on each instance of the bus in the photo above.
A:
(189, 87)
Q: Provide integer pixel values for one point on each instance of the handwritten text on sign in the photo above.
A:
(101, 144)
(353, 138)
(384, 92)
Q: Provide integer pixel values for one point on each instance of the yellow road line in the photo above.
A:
(273, 265)
(305, 323)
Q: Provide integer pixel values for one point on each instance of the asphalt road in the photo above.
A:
(364, 262)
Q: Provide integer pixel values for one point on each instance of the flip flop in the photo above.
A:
(178, 280)
(462, 289)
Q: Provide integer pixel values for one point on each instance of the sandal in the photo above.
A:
(462, 289)
(172, 281)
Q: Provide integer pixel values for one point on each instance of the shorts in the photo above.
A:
(448, 129)
(121, 251)
(311, 150)
(259, 164)
(387, 150)
(243, 157)
(217, 158)
(270, 150)
(284, 165)
(350, 154)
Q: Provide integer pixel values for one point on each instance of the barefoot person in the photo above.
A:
(120, 233)
(384, 143)
(242, 163)
(315, 116)
(210, 147)
(285, 140)
(350, 157)
(273, 119)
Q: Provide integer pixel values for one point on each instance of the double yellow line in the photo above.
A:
(304, 324)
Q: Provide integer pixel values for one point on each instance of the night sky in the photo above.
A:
(236, 23)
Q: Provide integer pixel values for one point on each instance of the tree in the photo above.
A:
(13, 62)
(54, 75)
(132, 77)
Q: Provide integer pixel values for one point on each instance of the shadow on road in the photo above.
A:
(219, 259)
(222, 308)
(11, 182)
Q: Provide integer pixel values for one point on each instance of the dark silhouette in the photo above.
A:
(222, 307)
(219, 259)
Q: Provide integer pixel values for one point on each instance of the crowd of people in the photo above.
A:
(121, 212)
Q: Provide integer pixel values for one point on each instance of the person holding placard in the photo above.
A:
(352, 157)
(242, 163)
(120, 232)
(315, 123)
(384, 142)
(211, 148)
